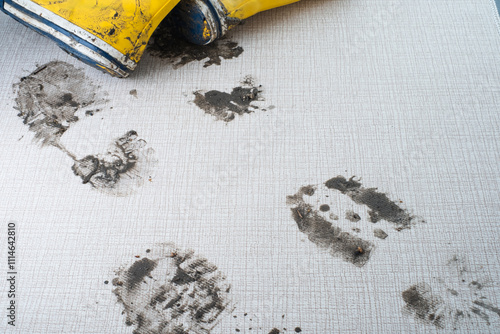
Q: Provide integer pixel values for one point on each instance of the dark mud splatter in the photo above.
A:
(379, 233)
(322, 233)
(51, 98)
(274, 331)
(172, 291)
(381, 207)
(423, 304)
(453, 300)
(166, 44)
(298, 330)
(352, 216)
(92, 112)
(225, 106)
(324, 208)
(124, 167)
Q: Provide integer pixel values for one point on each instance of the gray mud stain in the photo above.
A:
(167, 45)
(379, 233)
(139, 270)
(298, 198)
(175, 293)
(322, 233)
(448, 305)
(423, 304)
(352, 216)
(225, 106)
(49, 99)
(487, 306)
(381, 207)
(124, 167)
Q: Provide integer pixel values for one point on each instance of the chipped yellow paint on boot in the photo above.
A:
(108, 34)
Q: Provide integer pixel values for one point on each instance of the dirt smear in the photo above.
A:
(381, 207)
(225, 106)
(172, 291)
(167, 45)
(421, 302)
(51, 98)
(451, 300)
(125, 166)
(324, 234)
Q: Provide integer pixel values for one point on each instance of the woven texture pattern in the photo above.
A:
(401, 95)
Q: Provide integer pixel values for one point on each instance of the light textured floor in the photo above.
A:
(402, 95)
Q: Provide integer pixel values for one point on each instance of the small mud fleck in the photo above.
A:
(322, 233)
(381, 207)
(162, 293)
(122, 169)
(274, 331)
(352, 216)
(298, 330)
(51, 98)
(92, 112)
(167, 45)
(133, 92)
(334, 216)
(379, 233)
(225, 106)
(324, 208)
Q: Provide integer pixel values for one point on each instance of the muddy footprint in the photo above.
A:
(57, 95)
(172, 291)
(458, 297)
(225, 106)
(53, 97)
(126, 165)
(336, 216)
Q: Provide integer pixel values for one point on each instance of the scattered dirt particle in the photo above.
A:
(352, 216)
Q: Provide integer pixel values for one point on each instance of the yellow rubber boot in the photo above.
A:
(108, 34)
